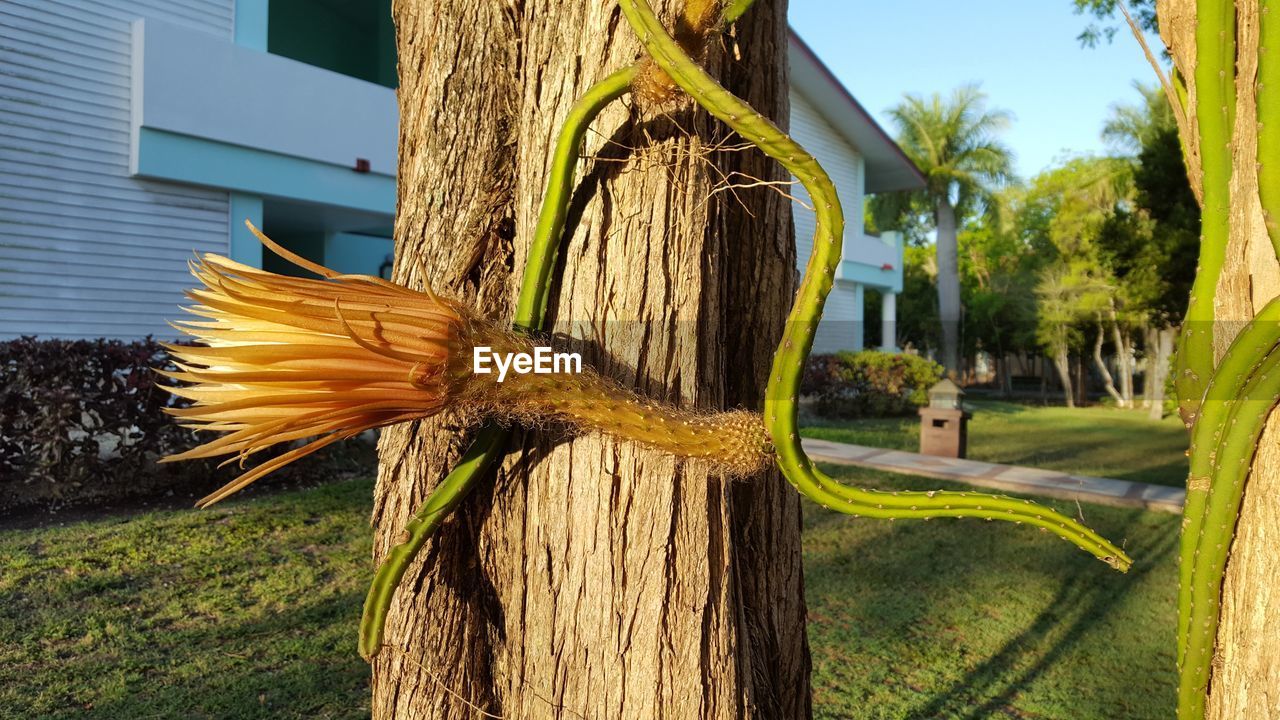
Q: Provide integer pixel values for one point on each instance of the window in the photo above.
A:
(352, 37)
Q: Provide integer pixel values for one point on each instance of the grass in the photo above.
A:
(249, 610)
(243, 611)
(1098, 441)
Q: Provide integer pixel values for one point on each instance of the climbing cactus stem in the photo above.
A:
(1215, 111)
(1234, 378)
(1234, 452)
(1269, 117)
(780, 407)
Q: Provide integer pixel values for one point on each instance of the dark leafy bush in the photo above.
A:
(82, 421)
(868, 383)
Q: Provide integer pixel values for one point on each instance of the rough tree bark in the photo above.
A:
(1246, 669)
(591, 578)
(948, 284)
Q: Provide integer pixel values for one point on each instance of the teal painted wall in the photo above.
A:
(356, 254)
(199, 161)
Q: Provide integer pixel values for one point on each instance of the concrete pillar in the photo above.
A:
(889, 321)
(859, 316)
(251, 24)
(244, 246)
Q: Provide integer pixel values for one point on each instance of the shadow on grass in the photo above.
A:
(297, 663)
(965, 619)
(1078, 606)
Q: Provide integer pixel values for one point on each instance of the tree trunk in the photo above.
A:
(1062, 362)
(1120, 338)
(948, 284)
(592, 578)
(1107, 381)
(1162, 341)
(1245, 679)
(1151, 349)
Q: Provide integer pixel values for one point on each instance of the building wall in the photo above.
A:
(845, 166)
(85, 249)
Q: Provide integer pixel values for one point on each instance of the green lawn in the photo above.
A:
(1100, 441)
(249, 610)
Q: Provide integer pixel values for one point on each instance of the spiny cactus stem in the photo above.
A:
(1231, 459)
(1235, 376)
(1269, 117)
(1215, 111)
(780, 408)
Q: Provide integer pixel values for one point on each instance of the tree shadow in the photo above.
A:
(1081, 605)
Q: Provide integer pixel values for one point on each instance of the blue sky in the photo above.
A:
(1023, 52)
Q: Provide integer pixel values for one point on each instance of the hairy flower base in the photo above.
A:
(735, 441)
(290, 359)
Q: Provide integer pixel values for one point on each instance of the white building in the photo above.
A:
(133, 132)
(861, 159)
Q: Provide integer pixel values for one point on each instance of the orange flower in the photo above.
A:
(290, 358)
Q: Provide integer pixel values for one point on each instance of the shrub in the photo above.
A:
(82, 421)
(868, 383)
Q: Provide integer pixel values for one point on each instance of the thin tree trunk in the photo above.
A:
(1126, 376)
(592, 578)
(1107, 381)
(1081, 381)
(1124, 364)
(1150, 341)
(948, 284)
(1062, 362)
(1120, 339)
(1163, 341)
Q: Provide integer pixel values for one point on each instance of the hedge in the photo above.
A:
(82, 422)
(868, 383)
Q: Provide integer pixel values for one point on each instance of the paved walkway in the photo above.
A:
(1010, 478)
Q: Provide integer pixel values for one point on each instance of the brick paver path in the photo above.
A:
(1011, 478)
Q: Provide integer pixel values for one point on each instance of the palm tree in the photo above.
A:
(1133, 126)
(954, 141)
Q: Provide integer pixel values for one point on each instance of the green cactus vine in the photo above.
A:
(780, 407)
(1227, 406)
(780, 410)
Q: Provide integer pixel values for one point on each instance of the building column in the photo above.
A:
(243, 246)
(251, 24)
(889, 321)
(859, 317)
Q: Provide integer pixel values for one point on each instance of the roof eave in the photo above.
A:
(888, 167)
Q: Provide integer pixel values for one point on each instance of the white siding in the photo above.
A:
(836, 331)
(86, 250)
(844, 165)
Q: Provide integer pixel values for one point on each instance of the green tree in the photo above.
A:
(1142, 11)
(998, 279)
(1060, 218)
(1069, 293)
(1151, 245)
(917, 304)
(954, 140)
